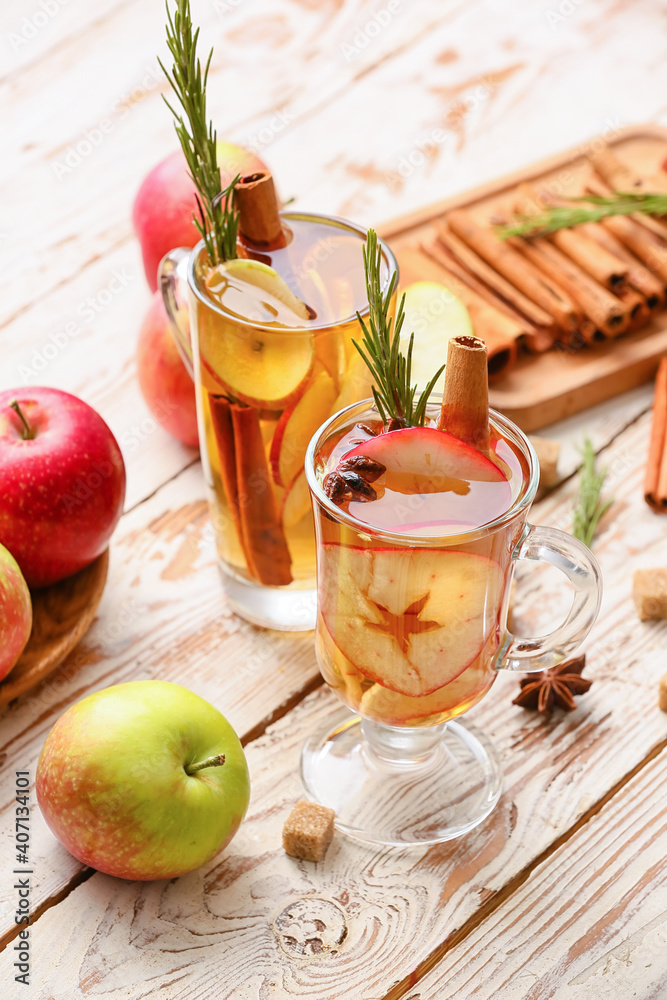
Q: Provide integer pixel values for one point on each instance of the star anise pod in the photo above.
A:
(554, 688)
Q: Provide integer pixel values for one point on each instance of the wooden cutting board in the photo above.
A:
(544, 388)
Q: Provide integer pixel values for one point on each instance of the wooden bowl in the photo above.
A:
(61, 615)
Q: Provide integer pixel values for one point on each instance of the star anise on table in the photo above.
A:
(554, 688)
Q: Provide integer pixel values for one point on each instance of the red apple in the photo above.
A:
(143, 780)
(165, 384)
(62, 482)
(15, 612)
(163, 206)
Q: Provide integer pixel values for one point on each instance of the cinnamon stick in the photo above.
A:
(638, 276)
(264, 540)
(657, 226)
(590, 256)
(621, 177)
(477, 296)
(644, 242)
(259, 215)
(465, 400)
(497, 330)
(608, 313)
(519, 271)
(655, 484)
(223, 431)
(478, 267)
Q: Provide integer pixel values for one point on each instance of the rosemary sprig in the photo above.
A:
(589, 509)
(566, 216)
(218, 218)
(392, 370)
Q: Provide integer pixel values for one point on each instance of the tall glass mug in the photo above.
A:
(411, 632)
(272, 357)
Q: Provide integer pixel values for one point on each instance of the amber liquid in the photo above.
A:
(286, 374)
(409, 629)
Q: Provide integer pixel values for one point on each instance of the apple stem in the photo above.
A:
(216, 761)
(28, 432)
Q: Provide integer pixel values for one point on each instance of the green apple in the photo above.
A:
(143, 780)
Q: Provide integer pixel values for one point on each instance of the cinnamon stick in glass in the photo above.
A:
(517, 269)
(262, 532)
(655, 484)
(465, 399)
(259, 211)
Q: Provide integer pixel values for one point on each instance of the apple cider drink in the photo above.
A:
(273, 359)
(415, 568)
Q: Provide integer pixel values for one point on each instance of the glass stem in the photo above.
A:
(402, 747)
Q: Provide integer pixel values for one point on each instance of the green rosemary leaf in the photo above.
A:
(589, 509)
(381, 347)
(566, 216)
(217, 220)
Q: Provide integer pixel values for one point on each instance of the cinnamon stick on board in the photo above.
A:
(477, 296)
(621, 177)
(465, 400)
(519, 271)
(655, 485)
(262, 531)
(590, 256)
(638, 277)
(608, 313)
(487, 322)
(480, 269)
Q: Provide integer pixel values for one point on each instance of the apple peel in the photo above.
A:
(409, 619)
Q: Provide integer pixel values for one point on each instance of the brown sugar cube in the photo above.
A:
(548, 452)
(662, 694)
(308, 831)
(649, 592)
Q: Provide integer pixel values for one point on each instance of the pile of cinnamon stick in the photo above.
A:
(577, 287)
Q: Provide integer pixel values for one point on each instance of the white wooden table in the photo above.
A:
(562, 893)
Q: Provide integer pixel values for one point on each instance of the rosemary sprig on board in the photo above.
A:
(566, 216)
(588, 508)
(392, 370)
(218, 218)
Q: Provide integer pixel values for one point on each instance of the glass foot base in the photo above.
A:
(270, 607)
(401, 787)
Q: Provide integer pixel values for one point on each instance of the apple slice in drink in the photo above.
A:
(426, 460)
(263, 367)
(296, 502)
(336, 669)
(410, 619)
(391, 708)
(296, 427)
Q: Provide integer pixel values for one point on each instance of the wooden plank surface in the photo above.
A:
(495, 83)
(403, 904)
(590, 922)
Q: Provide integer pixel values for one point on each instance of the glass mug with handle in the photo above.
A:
(414, 585)
(268, 341)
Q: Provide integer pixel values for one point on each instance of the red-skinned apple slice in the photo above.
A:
(426, 460)
(410, 619)
(296, 427)
(386, 706)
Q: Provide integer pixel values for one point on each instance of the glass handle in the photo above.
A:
(174, 287)
(581, 568)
